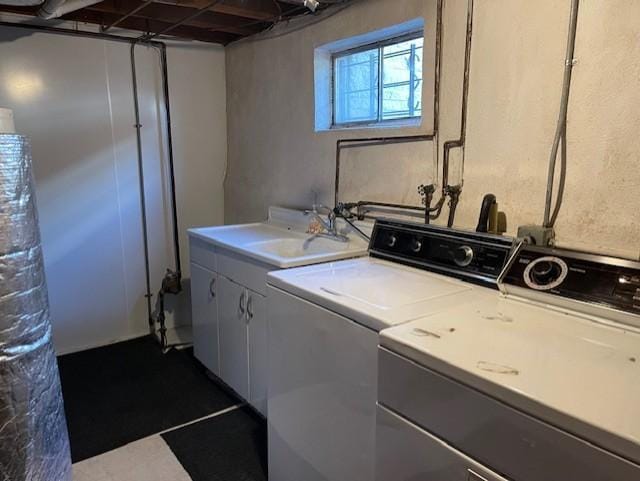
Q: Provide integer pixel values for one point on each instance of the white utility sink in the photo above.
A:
(281, 241)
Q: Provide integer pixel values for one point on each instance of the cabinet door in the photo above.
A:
(205, 317)
(256, 315)
(234, 356)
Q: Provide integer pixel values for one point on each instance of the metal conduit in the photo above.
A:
(561, 129)
(172, 176)
(143, 201)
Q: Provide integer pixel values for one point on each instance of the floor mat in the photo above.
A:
(232, 446)
(117, 394)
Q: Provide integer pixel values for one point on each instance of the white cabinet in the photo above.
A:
(257, 317)
(234, 351)
(243, 342)
(229, 320)
(205, 317)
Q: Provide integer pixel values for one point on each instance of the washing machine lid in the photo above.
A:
(562, 367)
(373, 292)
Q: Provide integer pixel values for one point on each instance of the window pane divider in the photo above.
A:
(380, 82)
(412, 79)
(380, 44)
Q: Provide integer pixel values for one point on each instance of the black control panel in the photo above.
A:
(465, 255)
(602, 280)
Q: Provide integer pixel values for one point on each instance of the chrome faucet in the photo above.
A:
(329, 225)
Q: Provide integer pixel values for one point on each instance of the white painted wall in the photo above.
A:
(73, 98)
(516, 74)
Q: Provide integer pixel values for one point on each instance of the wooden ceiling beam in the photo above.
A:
(223, 22)
(293, 2)
(266, 10)
(212, 21)
(30, 10)
(150, 25)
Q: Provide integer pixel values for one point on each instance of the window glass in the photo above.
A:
(383, 82)
(402, 80)
(356, 87)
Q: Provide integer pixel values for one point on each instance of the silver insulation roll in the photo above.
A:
(34, 444)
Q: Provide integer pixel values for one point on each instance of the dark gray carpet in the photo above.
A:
(117, 394)
(229, 447)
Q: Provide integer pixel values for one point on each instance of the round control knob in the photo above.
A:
(392, 240)
(463, 256)
(545, 273)
(416, 245)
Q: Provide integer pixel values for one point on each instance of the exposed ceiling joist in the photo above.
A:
(211, 21)
(221, 21)
(151, 25)
(255, 9)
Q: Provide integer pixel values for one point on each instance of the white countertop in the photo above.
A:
(565, 369)
(281, 241)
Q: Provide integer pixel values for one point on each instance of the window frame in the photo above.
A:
(378, 45)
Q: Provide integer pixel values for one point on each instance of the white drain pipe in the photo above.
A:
(57, 8)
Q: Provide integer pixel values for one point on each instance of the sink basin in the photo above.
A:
(302, 247)
(281, 241)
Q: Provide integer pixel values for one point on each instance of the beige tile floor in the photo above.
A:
(149, 459)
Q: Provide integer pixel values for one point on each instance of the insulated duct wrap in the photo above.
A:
(34, 444)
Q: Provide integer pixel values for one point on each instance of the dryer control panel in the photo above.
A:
(471, 256)
(603, 280)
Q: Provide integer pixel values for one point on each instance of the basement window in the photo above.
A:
(379, 82)
(380, 79)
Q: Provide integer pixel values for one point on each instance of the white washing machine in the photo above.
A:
(541, 383)
(323, 336)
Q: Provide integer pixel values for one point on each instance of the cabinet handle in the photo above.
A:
(473, 476)
(250, 307)
(212, 286)
(242, 309)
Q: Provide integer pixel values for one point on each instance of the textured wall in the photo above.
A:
(516, 74)
(275, 155)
